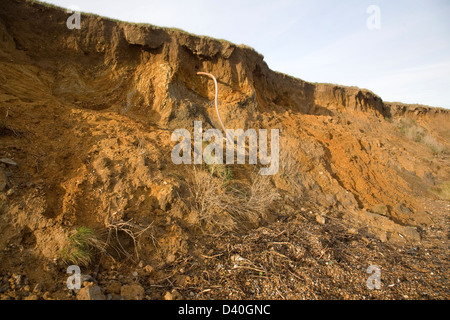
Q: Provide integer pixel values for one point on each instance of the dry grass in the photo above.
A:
(419, 134)
(435, 147)
(219, 205)
(442, 190)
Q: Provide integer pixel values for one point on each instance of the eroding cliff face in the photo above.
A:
(88, 115)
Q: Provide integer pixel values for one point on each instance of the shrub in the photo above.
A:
(419, 134)
(230, 208)
(79, 248)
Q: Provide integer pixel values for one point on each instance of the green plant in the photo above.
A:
(80, 247)
(221, 171)
(413, 131)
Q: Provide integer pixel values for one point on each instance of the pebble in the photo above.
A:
(91, 292)
(132, 292)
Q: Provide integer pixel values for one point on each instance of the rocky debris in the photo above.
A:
(91, 292)
(403, 214)
(148, 269)
(166, 197)
(173, 295)
(132, 292)
(110, 165)
(113, 287)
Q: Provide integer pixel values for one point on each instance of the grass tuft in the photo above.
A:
(218, 205)
(415, 132)
(80, 247)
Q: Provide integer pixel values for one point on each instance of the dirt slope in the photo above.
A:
(86, 118)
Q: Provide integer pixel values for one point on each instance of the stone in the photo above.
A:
(91, 292)
(113, 287)
(174, 295)
(170, 258)
(168, 296)
(132, 292)
(148, 269)
(9, 162)
(320, 219)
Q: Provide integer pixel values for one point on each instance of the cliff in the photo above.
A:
(86, 117)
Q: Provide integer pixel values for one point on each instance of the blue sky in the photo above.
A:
(407, 59)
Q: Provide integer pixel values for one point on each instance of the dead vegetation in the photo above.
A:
(417, 133)
(298, 258)
(442, 190)
(226, 205)
(117, 230)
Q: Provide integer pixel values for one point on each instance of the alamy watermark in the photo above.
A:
(374, 20)
(374, 280)
(74, 21)
(74, 281)
(213, 153)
